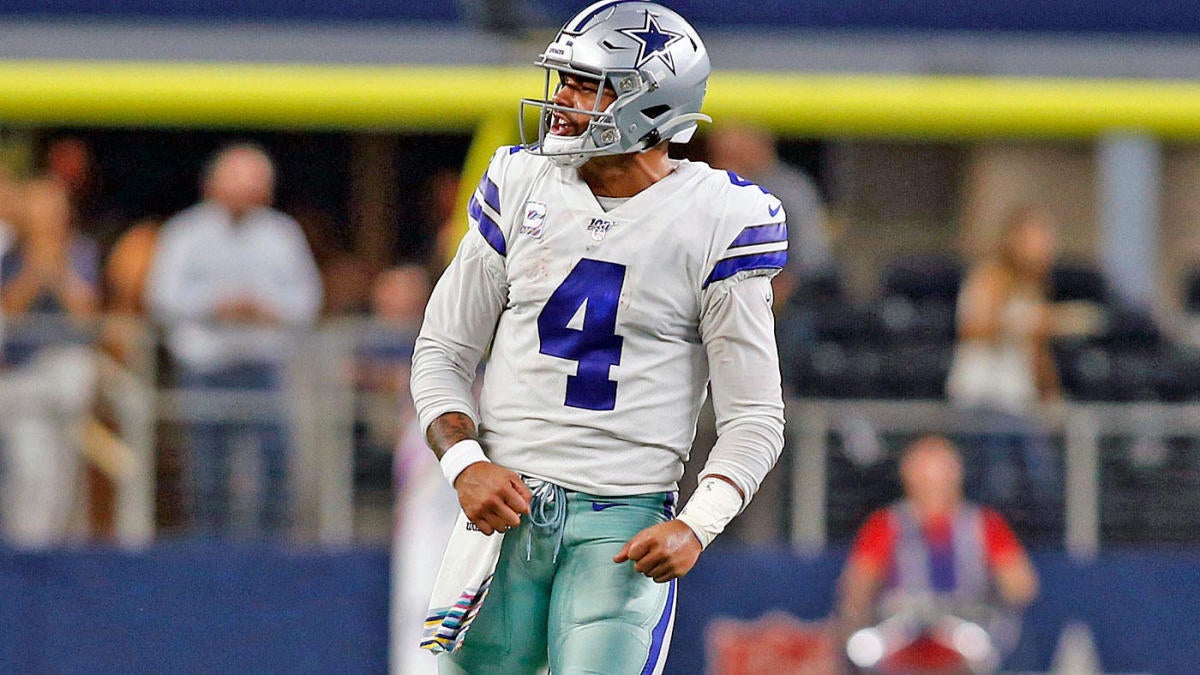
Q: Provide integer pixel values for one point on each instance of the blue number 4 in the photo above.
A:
(595, 286)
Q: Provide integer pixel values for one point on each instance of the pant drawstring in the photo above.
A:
(547, 509)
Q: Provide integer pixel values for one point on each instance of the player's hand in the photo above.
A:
(492, 496)
(662, 552)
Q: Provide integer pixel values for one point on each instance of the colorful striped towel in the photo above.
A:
(461, 587)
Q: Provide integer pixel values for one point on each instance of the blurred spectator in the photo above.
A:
(127, 339)
(933, 582)
(69, 161)
(1003, 360)
(425, 502)
(398, 297)
(442, 207)
(346, 279)
(426, 505)
(398, 300)
(9, 199)
(48, 292)
(750, 152)
(231, 280)
(125, 276)
(1003, 366)
(345, 276)
(128, 268)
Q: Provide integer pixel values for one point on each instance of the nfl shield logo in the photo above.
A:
(599, 228)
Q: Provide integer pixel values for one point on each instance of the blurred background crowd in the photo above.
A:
(225, 270)
(205, 330)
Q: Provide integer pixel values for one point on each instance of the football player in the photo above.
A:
(613, 284)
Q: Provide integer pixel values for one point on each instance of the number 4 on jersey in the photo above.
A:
(594, 286)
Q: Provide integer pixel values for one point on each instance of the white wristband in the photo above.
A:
(459, 456)
(710, 509)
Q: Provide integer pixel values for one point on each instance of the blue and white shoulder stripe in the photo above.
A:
(761, 246)
(484, 208)
(756, 247)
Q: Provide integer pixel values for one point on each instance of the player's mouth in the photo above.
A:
(561, 126)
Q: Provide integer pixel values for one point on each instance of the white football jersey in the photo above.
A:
(606, 323)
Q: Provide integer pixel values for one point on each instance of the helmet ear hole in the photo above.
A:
(654, 112)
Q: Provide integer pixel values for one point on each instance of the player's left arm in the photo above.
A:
(738, 330)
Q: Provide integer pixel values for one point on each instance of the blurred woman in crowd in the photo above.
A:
(1003, 366)
(1003, 358)
(48, 294)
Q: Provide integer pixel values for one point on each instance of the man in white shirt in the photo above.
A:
(231, 281)
(612, 284)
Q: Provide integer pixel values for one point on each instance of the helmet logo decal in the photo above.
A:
(653, 42)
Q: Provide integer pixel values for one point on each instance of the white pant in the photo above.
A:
(42, 407)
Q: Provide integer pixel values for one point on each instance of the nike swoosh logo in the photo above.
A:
(774, 210)
(600, 506)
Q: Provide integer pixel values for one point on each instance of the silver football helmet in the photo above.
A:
(652, 59)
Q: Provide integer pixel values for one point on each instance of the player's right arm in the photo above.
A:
(491, 496)
(460, 321)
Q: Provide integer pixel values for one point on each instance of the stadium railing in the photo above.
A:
(1107, 496)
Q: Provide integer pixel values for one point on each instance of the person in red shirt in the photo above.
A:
(933, 581)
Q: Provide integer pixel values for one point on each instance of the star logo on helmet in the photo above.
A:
(654, 42)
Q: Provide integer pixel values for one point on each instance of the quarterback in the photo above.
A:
(612, 285)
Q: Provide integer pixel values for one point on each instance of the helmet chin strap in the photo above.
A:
(558, 150)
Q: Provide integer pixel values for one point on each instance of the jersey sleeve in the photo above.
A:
(738, 330)
(463, 309)
(485, 211)
(737, 326)
(752, 237)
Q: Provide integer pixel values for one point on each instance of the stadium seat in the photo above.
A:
(1130, 327)
(848, 324)
(929, 276)
(1072, 281)
(1191, 292)
(1094, 373)
(822, 288)
(914, 322)
(915, 371)
(1179, 375)
(835, 370)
